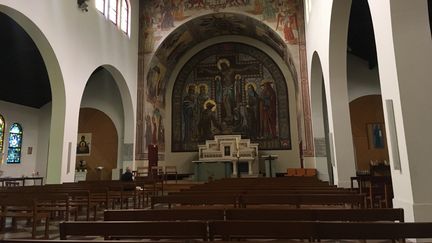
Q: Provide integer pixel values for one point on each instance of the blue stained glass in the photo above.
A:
(15, 128)
(15, 142)
(14, 155)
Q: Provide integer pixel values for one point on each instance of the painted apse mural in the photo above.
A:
(230, 88)
(169, 28)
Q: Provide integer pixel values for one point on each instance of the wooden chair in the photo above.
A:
(311, 172)
(157, 172)
(170, 170)
(142, 171)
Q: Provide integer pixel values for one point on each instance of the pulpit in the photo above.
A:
(228, 151)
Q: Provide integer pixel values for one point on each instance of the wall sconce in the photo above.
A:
(82, 4)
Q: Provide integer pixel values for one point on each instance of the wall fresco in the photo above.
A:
(169, 28)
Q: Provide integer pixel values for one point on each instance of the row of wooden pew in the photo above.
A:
(36, 203)
(246, 192)
(245, 224)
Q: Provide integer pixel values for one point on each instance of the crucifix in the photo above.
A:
(227, 76)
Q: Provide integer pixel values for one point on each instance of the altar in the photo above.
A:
(220, 157)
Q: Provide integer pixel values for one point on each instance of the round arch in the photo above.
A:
(291, 156)
(319, 120)
(55, 150)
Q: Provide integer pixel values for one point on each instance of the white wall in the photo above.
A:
(77, 43)
(43, 139)
(28, 118)
(362, 81)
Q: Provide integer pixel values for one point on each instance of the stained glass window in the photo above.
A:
(100, 5)
(15, 142)
(2, 125)
(112, 10)
(124, 16)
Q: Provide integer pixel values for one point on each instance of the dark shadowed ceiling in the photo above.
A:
(24, 78)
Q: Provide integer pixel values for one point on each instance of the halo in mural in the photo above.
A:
(237, 89)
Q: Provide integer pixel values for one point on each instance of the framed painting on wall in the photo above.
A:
(84, 144)
(376, 135)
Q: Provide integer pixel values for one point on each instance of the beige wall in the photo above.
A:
(104, 143)
(365, 111)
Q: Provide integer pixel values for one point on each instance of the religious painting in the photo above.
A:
(376, 135)
(168, 29)
(84, 144)
(230, 88)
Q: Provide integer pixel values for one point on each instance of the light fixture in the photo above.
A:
(82, 4)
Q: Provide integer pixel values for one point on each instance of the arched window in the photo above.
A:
(2, 126)
(100, 5)
(112, 10)
(15, 142)
(124, 16)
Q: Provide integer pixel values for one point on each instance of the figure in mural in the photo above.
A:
(167, 15)
(154, 85)
(227, 85)
(201, 99)
(269, 11)
(189, 103)
(252, 110)
(148, 130)
(208, 121)
(267, 110)
(258, 7)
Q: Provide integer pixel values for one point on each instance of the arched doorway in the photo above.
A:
(34, 89)
(102, 98)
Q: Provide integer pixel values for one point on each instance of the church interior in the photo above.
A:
(215, 120)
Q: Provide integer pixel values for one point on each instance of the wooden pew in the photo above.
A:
(315, 214)
(28, 209)
(141, 230)
(229, 230)
(164, 215)
(203, 199)
(355, 200)
(123, 241)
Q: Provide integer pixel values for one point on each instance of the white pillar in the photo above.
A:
(234, 163)
(342, 149)
(404, 52)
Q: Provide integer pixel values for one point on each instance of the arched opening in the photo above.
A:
(102, 97)
(25, 94)
(322, 152)
(47, 146)
(367, 119)
(97, 145)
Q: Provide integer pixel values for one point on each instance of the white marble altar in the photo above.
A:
(229, 148)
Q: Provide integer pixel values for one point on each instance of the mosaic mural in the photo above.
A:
(230, 88)
(170, 28)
